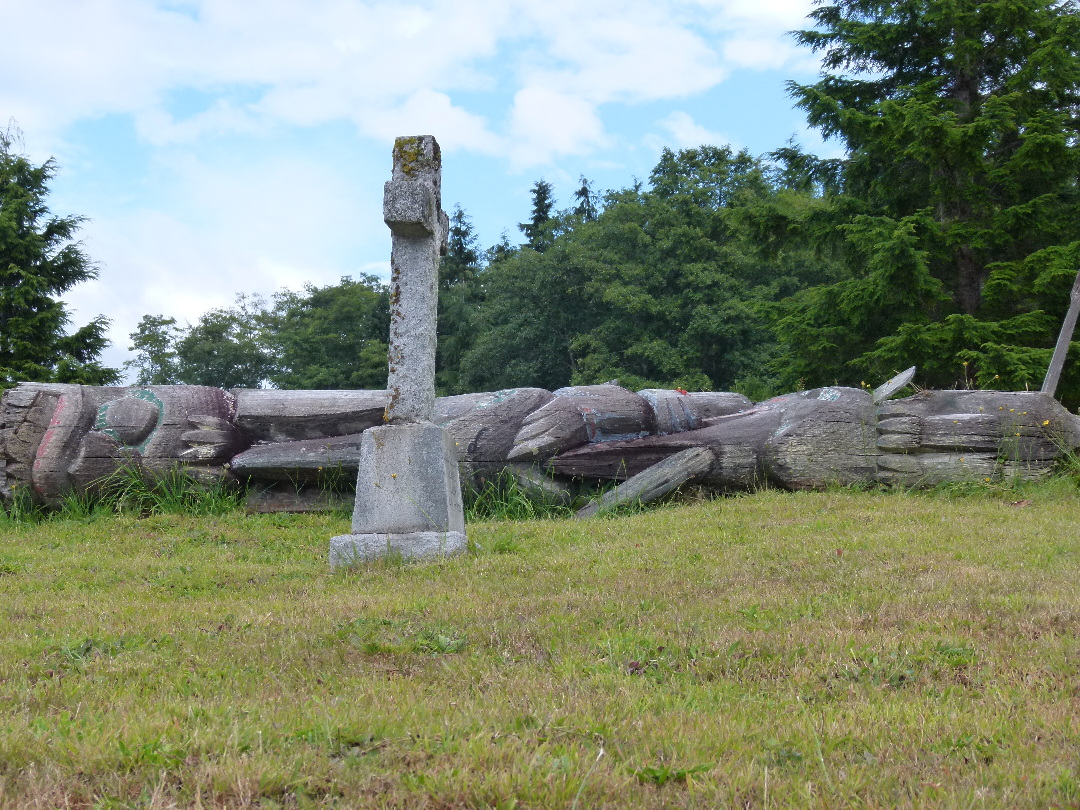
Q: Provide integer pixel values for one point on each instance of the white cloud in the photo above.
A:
(426, 111)
(545, 124)
(683, 132)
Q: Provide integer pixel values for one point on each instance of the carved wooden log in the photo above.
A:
(940, 436)
(25, 413)
(654, 482)
(827, 435)
(737, 442)
(268, 415)
(580, 414)
(484, 425)
(71, 436)
(802, 440)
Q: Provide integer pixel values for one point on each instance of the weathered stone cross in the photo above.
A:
(408, 495)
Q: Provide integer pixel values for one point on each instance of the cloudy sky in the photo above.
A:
(220, 147)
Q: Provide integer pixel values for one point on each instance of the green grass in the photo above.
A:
(837, 649)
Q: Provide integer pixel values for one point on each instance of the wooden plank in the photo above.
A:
(893, 386)
(281, 416)
(1061, 348)
(309, 461)
(655, 482)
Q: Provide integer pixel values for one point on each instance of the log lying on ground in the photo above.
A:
(327, 461)
(937, 437)
(654, 482)
(804, 440)
(826, 436)
(56, 438)
(60, 438)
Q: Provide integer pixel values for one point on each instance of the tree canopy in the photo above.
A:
(946, 236)
(957, 212)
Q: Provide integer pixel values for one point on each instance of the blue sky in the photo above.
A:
(220, 147)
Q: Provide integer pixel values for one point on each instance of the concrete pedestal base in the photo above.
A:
(349, 549)
(408, 496)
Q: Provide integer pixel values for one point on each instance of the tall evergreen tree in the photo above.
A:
(960, 213)
(585, 201)
(536, 230)
(39, 262)
(460, 297)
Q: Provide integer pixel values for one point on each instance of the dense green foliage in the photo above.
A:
(666, 286)
(947, 237)
(322, 338)
(958, 218)
(38, 262)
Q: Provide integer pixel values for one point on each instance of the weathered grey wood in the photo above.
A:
(557, 425)
(797, 441)
(676, 411)
(711, 404)
(580, 414)
(266, 415)
(736, 440)
(654, 482)
(484, 426)
(932, 469)
(308, 461)
(826, 436)
(1061, 348)
(940, 436)
(893, 386)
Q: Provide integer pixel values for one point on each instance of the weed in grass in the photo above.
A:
(660, 775)
(20, 509)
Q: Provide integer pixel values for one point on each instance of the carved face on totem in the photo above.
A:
(71, 437)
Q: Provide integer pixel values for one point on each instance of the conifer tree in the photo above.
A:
(460, 298)
(585, 201)
(39, 261)
(959, 213)
(536, 230)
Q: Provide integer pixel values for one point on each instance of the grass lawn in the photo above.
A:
(836, 649)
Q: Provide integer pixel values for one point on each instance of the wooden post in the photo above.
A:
(1057, 362)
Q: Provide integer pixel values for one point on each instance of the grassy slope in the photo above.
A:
(824, 650)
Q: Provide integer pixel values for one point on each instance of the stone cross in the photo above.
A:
(412, 207)
(408, 494)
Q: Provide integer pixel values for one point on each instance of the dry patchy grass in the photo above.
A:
(777, 650)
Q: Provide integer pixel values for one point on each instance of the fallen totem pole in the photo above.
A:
(296, 446)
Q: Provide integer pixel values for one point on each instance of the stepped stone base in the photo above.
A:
(350, 549)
